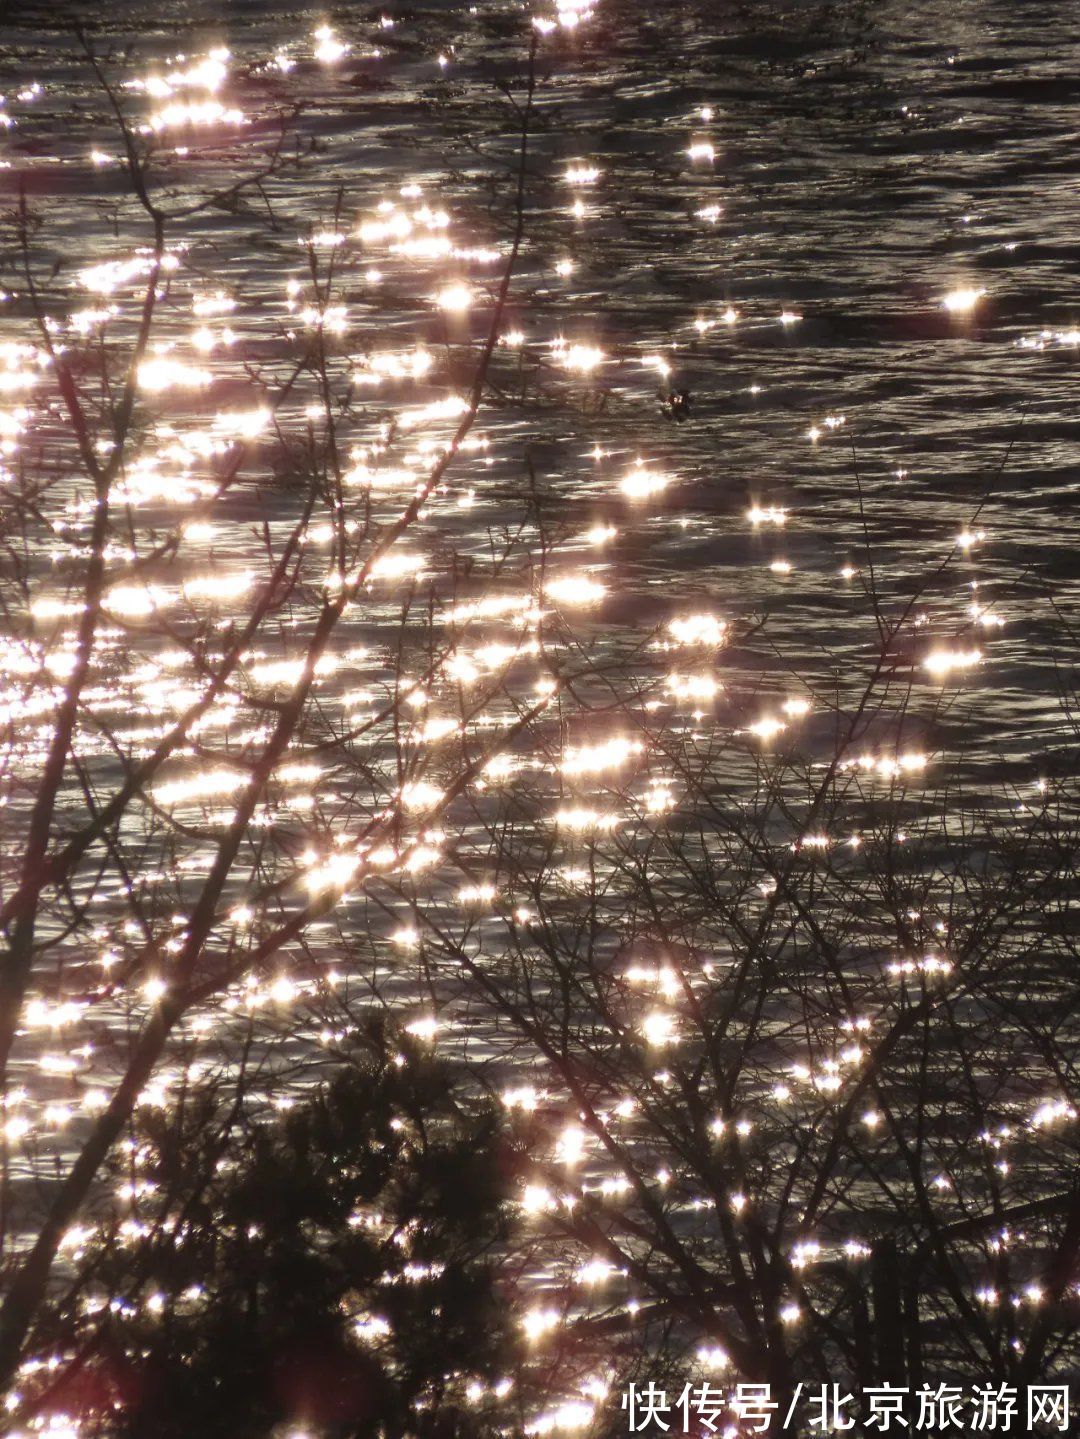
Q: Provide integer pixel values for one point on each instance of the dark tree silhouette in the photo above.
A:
(334, 1263)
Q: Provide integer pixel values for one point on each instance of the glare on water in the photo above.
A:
(651, 540)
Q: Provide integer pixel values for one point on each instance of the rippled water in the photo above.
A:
(867, 161)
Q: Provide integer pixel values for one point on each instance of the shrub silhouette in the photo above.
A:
(333, 1266)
